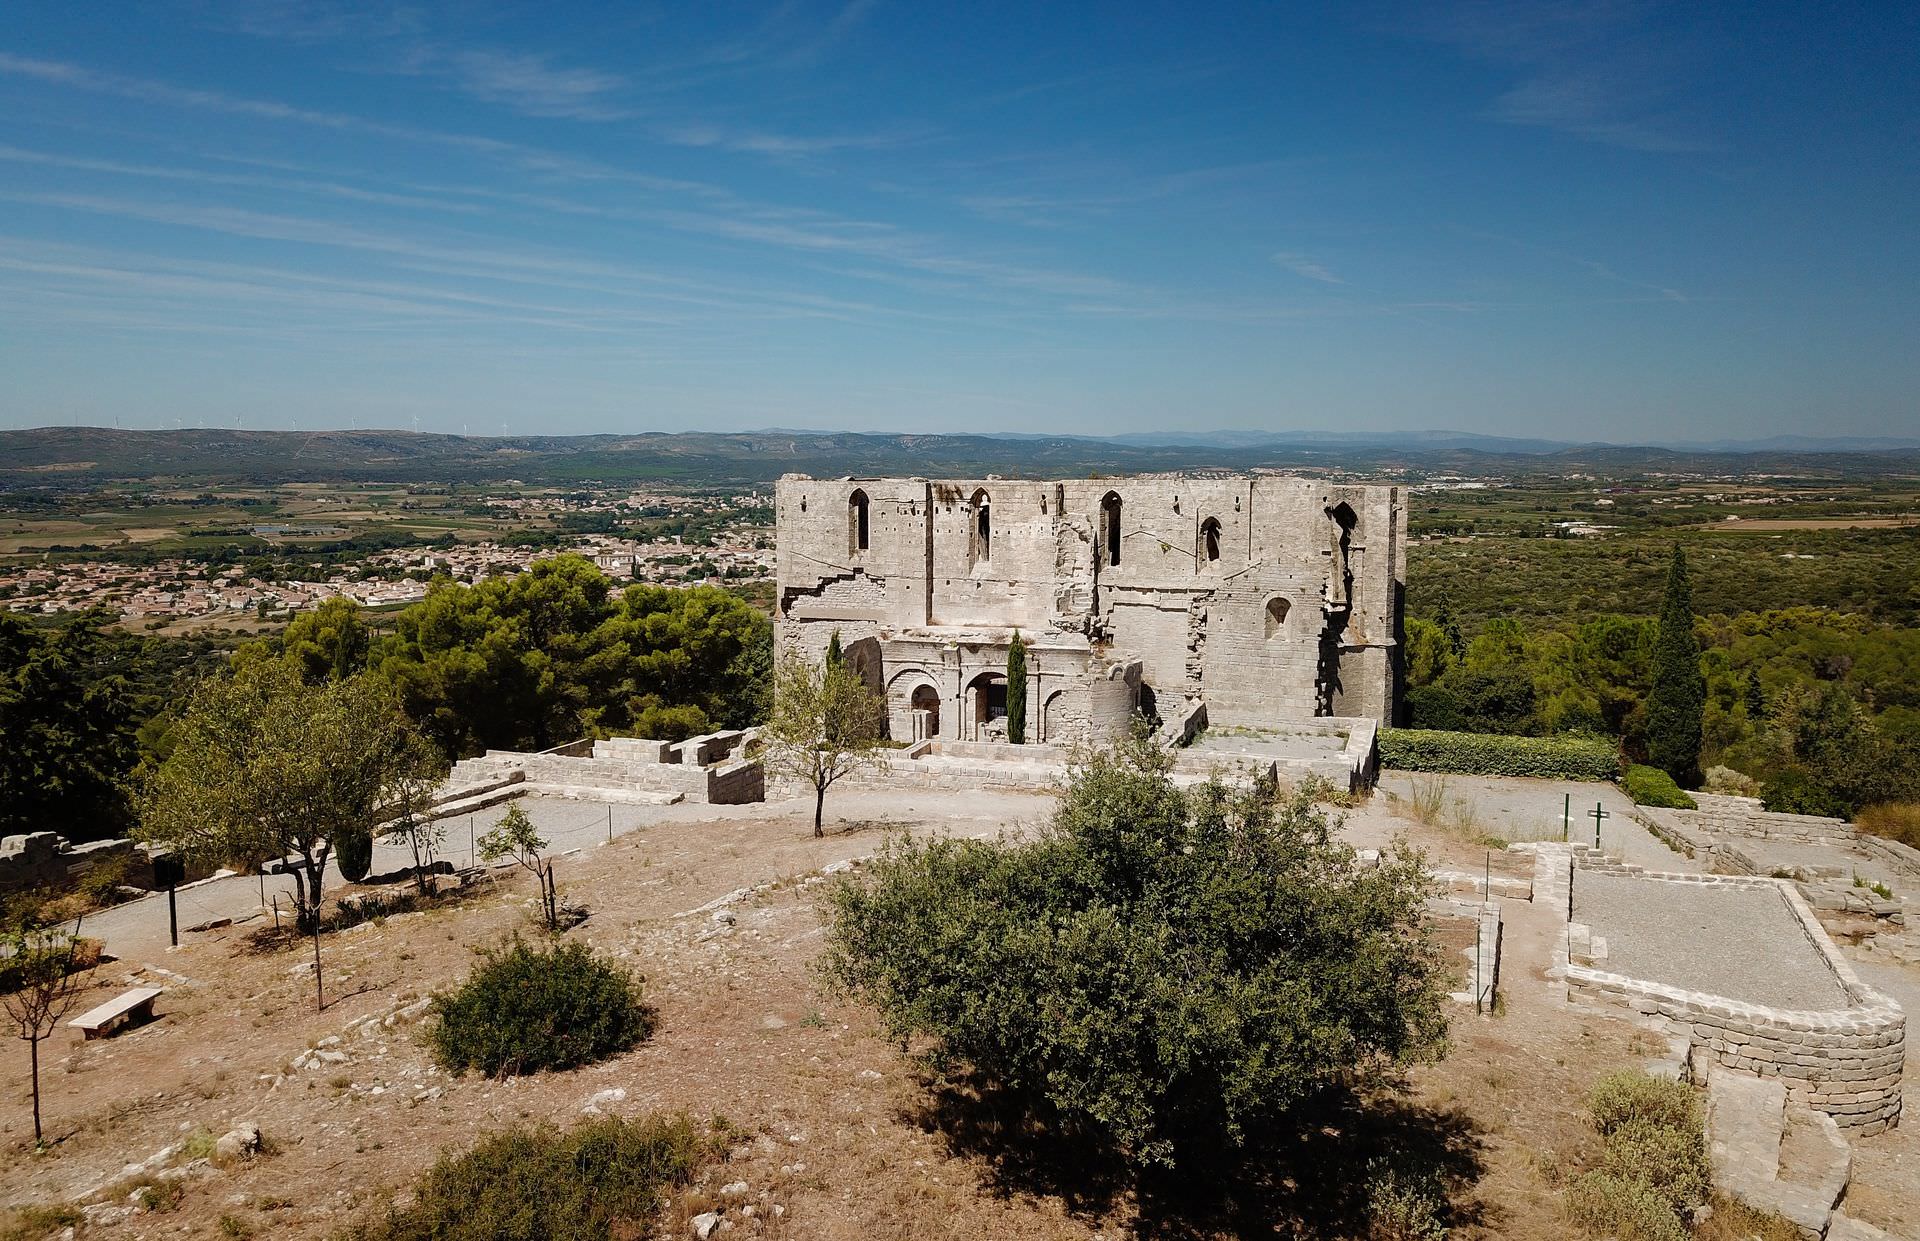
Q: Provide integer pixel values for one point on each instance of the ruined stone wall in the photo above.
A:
(1271, 598)
(1005, 578)
(1844, 1062)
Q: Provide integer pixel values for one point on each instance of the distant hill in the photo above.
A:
(83, 456)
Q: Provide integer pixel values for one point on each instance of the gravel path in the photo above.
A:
(1742, 943)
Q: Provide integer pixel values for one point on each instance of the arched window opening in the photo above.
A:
(1210, 539)
(1276, 617)
(982, 526)
(1110, 526)
(858, 530)
(1340, 572)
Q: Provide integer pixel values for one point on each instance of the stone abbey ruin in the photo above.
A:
(1227, 601)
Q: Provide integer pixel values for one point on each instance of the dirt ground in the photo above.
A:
(842, 1136)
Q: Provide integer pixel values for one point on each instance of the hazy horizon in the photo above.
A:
(1617, 223)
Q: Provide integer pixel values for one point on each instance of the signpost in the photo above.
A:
(169, 870)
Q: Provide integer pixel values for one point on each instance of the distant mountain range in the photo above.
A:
(1440, 440)
(82, 456)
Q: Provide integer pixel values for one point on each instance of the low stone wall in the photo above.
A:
(46, 860)
(1743, 817)
(937, 769)
(622, 765)
(1845, 1062)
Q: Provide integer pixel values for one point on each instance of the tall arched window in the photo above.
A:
(1110, 526)
(859, 536)
(1210, 540)
(982, 526)
(1340, 572)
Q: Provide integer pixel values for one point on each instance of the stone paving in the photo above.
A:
(1742, 943)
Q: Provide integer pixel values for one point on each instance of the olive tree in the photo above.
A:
(1162, 972)
(514, 837)
(825, 724)
(44, 972)
(266, 765)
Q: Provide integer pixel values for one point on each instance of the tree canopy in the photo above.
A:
(266, 766)
(66, 732)
(542, 657)
(1166, 972)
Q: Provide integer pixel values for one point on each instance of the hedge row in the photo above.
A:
(1650, 786)
(1495, 754)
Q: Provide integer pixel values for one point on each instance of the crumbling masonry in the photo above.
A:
(1261, 600)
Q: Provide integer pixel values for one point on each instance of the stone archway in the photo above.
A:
(925, 698)
(986, 702)
(1051, 717)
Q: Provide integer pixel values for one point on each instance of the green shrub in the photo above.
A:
(1606, 1205)
(525, 1009)
(1650, 786)
(32, 1222)
(1667, 1159)
(1731, 781)
(1569, 757)
(1653, 1166)
(1404, 1203)
(608, 1177)
(1159, 968)
(1628, 1096)
(353, 854)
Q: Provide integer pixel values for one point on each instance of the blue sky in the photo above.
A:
(1579, 220)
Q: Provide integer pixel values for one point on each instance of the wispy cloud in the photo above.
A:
(1596, 71)
(761, 142)
(1305, 267)
(203, 176)
(529, 83)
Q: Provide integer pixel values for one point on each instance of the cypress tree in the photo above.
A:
(1017, 690)
(1678, 698)
(834, 655)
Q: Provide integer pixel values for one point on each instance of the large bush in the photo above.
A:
(1650, 786)
(1491, 754)
(1160, 971)
(604, 1178)
(525, 1009)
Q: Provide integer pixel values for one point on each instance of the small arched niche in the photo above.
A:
(1277, 609)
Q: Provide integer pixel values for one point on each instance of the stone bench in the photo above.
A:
(123, 1009)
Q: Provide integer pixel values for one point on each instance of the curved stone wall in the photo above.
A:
(1844, 1062)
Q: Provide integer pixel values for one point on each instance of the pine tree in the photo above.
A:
(1678, 698)
(1017, 690)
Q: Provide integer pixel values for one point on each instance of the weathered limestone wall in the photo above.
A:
(1272, 598)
